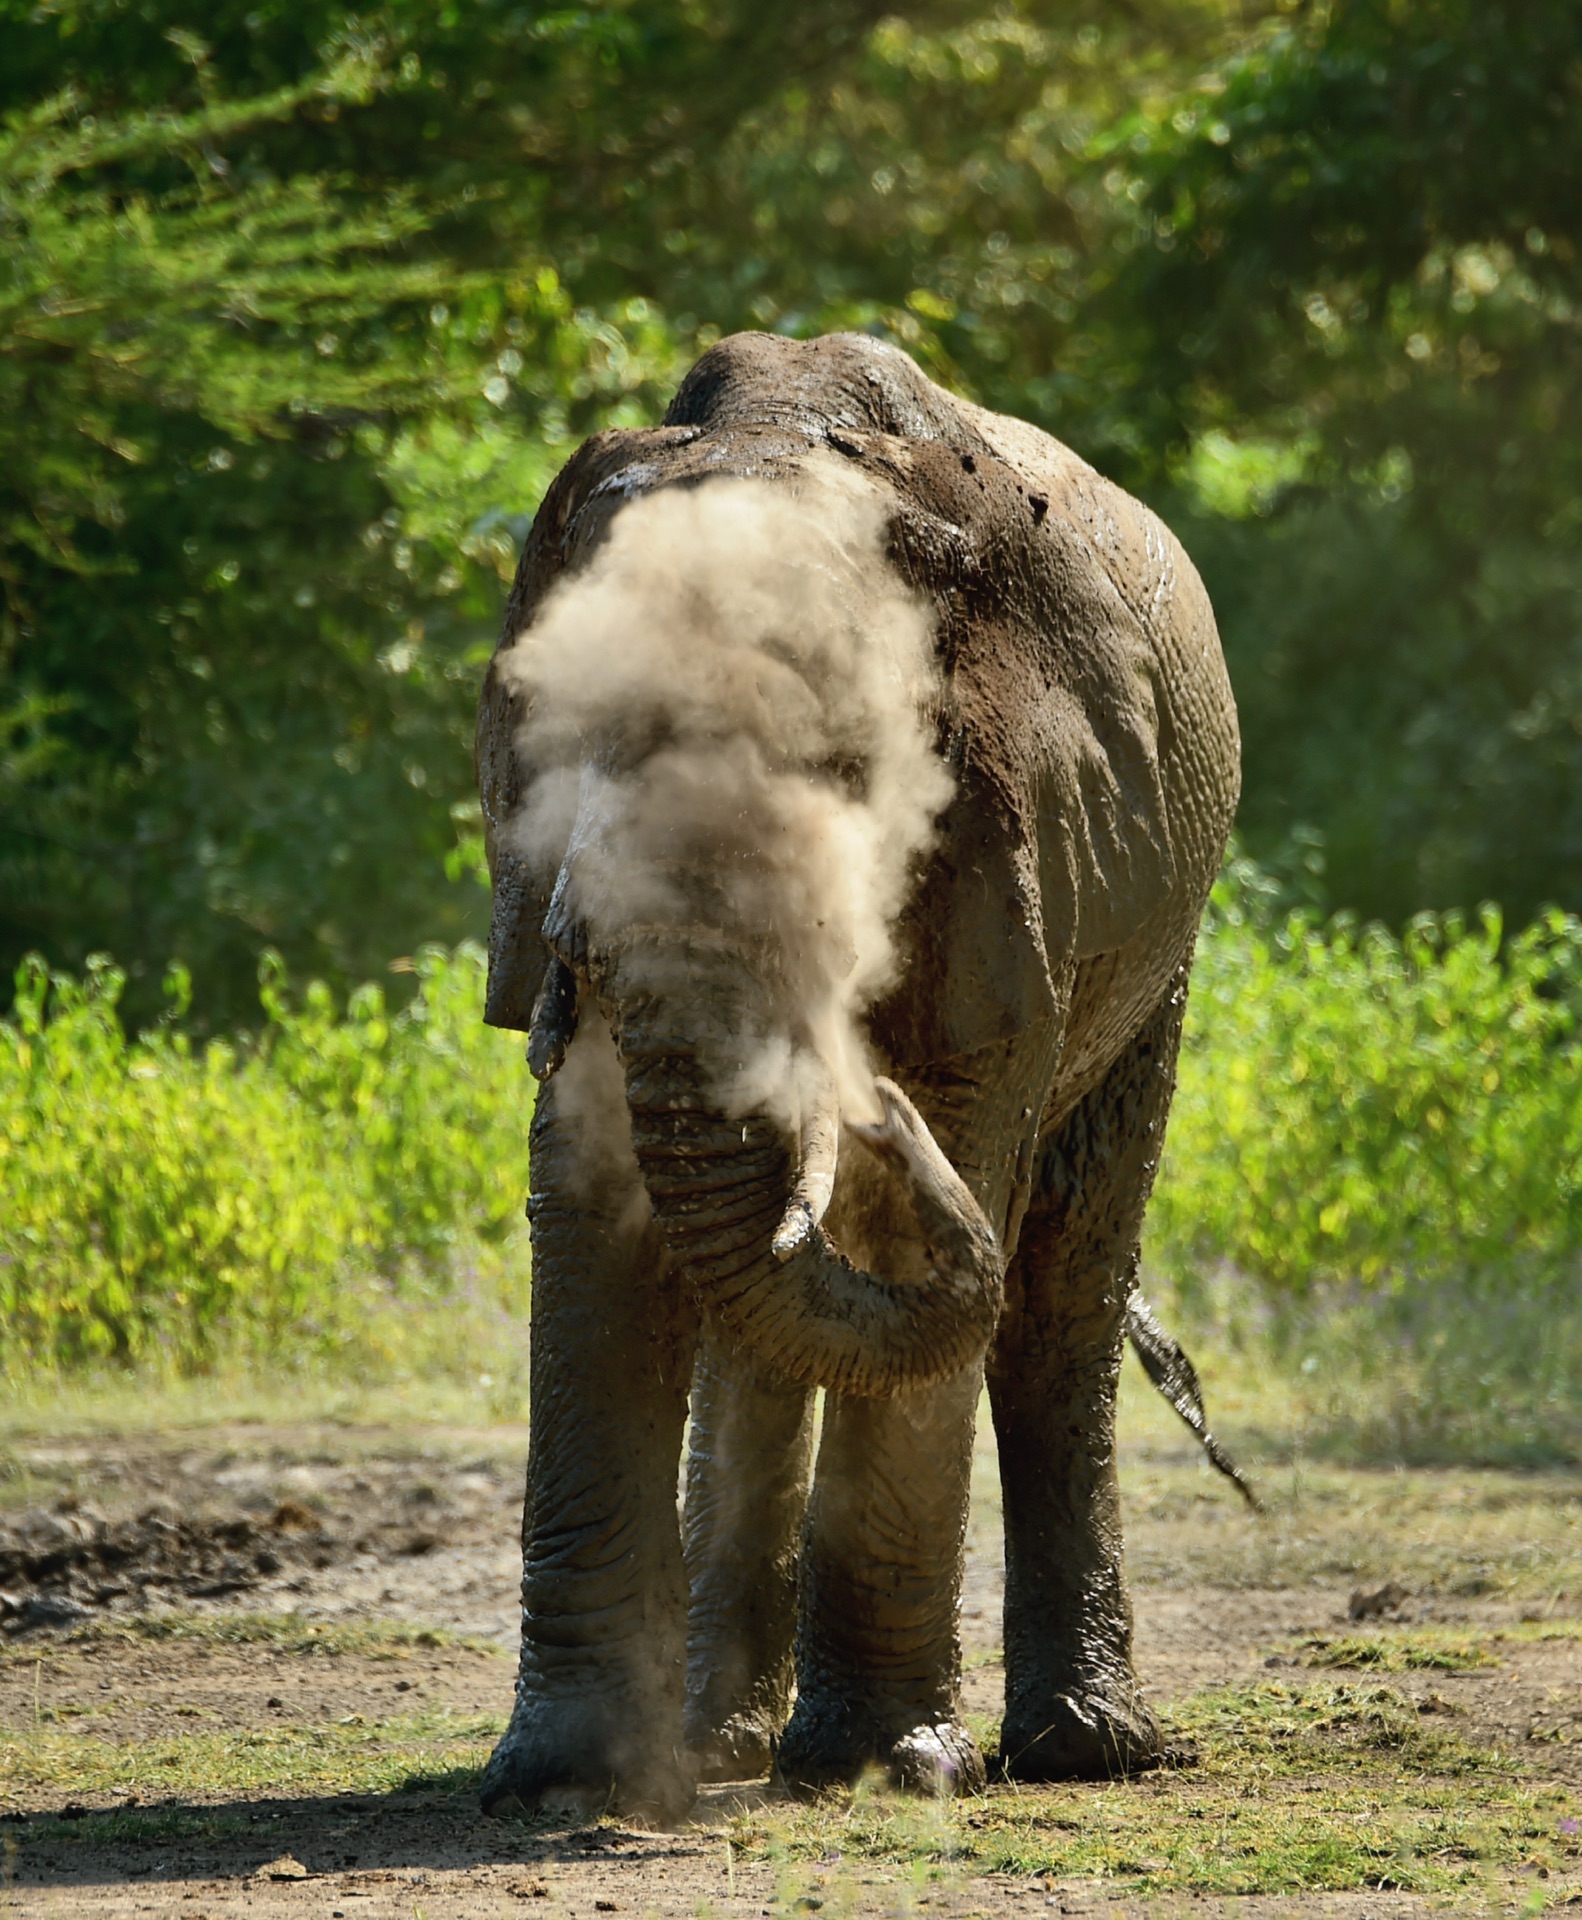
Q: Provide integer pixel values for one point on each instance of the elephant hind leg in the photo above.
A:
(747, 1479)
(1073, 1708)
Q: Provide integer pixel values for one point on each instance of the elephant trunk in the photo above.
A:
(736, 1214)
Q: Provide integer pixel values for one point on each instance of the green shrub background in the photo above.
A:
(1389, 1112)
(1370, 1189)
(1372, 1173)
(177, 1202)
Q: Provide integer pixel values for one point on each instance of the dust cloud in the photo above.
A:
(729, 735)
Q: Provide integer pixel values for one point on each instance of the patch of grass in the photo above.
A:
(138, 1826)
(1422, 1649)
(1531, 1630)
(405, 1753)
(1298, 1788)
(1426, 1378)
(436, 1381)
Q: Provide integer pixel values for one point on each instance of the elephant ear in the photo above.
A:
(1095, 593)
(1053, 850)
(567, 530)
(517, 954)
(1054, 628)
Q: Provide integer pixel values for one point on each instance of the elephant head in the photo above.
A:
(727, 774)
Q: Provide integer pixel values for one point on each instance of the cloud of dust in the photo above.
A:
(729, 729)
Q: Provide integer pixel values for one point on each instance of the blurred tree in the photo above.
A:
(1354, 324)
(299, 310)
(324, 297)
(184, 566)
(1307, 276)
(235, 683)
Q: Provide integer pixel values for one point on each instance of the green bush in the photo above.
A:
(1371, 1179)
(1389, 1112)
(1371, 1182)
(168, 1201)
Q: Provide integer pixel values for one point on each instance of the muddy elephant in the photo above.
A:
(720, 1241)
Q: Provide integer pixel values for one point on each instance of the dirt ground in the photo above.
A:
(345, 1529)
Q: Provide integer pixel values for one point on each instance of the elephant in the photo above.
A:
(697, 1257)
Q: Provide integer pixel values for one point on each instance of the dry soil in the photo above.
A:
(340, 1527)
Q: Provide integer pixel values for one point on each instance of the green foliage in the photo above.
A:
(263, 451)
(298, 315)
(1364, 1108)
(1371, 1178)
(1357, 236)
(168, 1200)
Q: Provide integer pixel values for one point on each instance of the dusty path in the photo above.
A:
(392, 1559)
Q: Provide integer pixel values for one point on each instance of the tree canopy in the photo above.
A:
(301, 306)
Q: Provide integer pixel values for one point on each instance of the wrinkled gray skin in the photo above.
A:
(1089, 726)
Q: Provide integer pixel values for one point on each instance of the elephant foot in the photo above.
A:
(940, 1758)
(558, 1758)
(1073, 1736)
(934, 1756)
(743, 1748)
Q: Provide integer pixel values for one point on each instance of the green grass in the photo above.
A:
(400, 1754)
(1497, 1532)
(1448, 1374)
(1428, 1649)
(322, 1403)
(1296, 1788)
(1423, 1650)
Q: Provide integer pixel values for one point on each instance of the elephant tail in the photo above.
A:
(1176, 1378)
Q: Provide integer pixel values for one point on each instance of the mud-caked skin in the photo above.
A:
(613, 1337)
(748, 1466)
(1072, 1706)
(988, 1223)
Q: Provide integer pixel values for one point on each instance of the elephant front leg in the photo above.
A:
(1073, 1709)
(747, 1478)
(598, 1710)
(878, 1650)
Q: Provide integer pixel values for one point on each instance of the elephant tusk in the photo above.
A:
(902, 1138)
(815, 1180)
